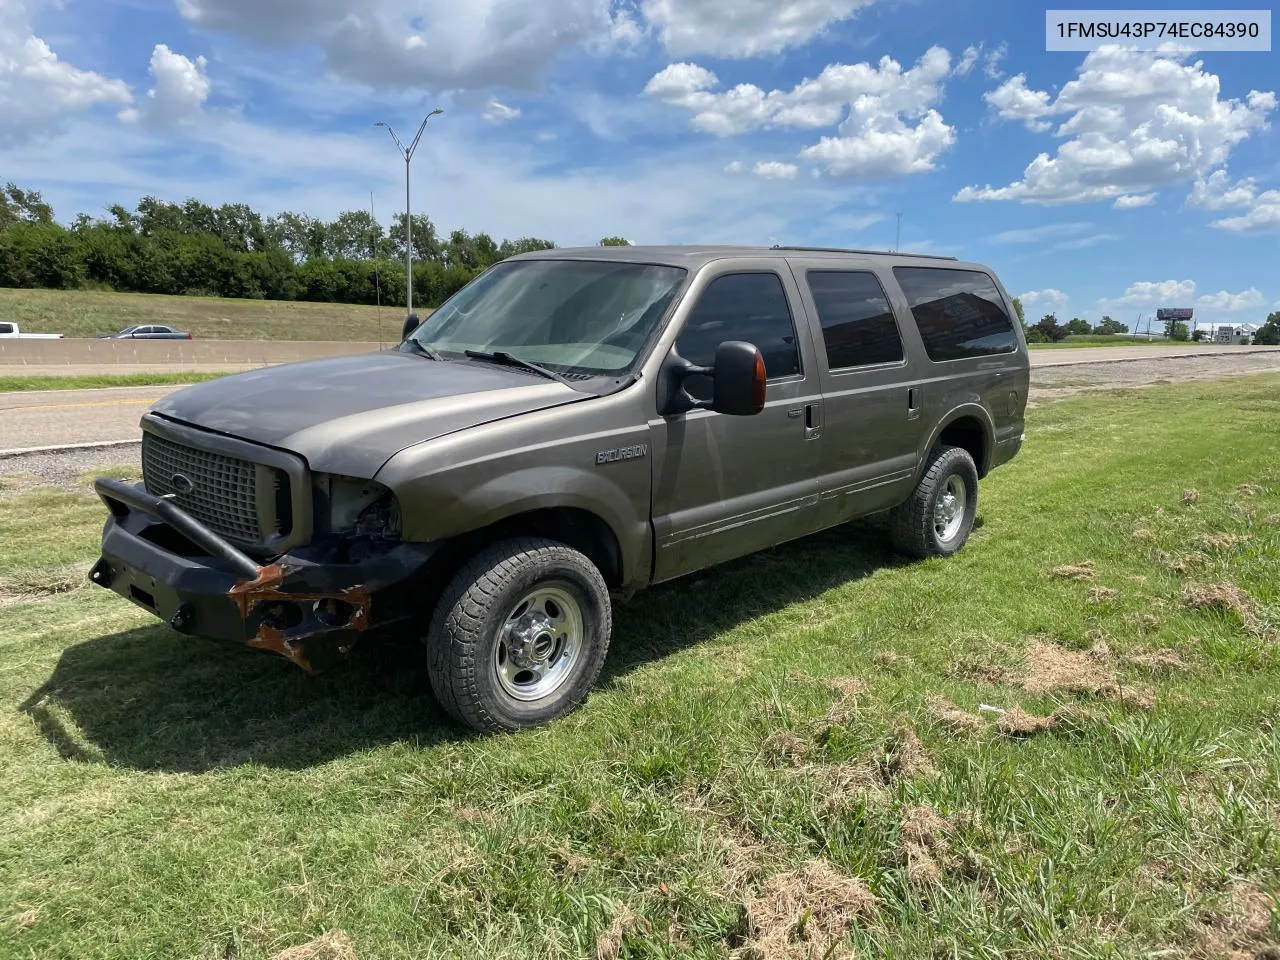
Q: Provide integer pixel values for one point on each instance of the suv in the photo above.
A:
(570, 425)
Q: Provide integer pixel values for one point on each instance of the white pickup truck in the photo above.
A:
(9, 331)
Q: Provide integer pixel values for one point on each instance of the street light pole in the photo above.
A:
(407, 153)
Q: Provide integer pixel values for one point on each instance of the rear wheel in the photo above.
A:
(520, 635)
(938, 517)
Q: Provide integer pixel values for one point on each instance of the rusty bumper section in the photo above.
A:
(310, 607)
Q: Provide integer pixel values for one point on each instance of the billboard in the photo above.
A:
(1165, 314)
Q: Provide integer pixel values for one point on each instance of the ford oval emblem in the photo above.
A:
(181, 483)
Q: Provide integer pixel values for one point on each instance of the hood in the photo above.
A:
(349, 415)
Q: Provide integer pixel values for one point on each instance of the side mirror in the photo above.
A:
(411, 323)
(738, 382)
(739, 379)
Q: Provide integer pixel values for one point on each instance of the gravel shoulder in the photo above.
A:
(65, 468)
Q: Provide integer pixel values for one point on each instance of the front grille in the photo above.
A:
(224, 490)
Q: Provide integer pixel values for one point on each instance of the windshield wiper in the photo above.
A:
(423, 350)
(511, 360)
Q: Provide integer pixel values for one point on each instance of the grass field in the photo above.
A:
(1112, 341)
(88, 313)
(787, 755)
(94, 381)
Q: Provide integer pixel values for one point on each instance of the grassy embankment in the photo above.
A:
(783, 751)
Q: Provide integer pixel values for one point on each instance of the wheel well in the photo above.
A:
(574, 527)
(967, 433)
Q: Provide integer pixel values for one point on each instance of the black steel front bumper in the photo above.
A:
(310, 607)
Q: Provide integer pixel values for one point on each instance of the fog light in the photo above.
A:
(334, 613)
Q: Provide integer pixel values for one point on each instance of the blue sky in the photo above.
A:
(1112, 181)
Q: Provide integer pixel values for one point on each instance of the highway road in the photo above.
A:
(47, 418)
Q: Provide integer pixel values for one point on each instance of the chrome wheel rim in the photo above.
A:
(539, 643)
(948, 511)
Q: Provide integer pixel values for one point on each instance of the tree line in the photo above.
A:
(234, 251)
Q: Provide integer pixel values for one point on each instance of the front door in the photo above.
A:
(872, 399)
(725, 486)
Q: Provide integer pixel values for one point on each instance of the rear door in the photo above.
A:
(872, 400)
(726, 486)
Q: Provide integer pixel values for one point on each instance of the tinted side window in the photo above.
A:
(741, 306)
(959, 312)
(857, 324)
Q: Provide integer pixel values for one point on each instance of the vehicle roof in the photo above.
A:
(693, 257)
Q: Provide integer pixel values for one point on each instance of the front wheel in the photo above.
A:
(520, 635)
(938, 517)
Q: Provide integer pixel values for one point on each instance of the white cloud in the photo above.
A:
(1164, 293)
(1082, 243)
(743, 28)
(1049, 298)
(1131, 201)
(735, 166)
(37, 90)
(889, 127)
(990, 63)
(968, 60)
(773, 170)
(399, 44)
(1048, 231)
(1217, 192)
(1131, 123)
(181, 89)
(497, 112)
(1226, 302)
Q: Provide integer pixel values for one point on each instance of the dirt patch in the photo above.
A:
(1242, 932)
(334, 945)
(1051, 668)
(1224, 597)
(609, 943)
(804, 914)
(946, 714)
(1079, 571)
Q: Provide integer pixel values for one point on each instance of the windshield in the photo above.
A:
(588, 316)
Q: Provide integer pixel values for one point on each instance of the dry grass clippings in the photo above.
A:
(1224, 597)
(1158, 661)
(805, 913)
(1100, 595)
(1015, 722)
(1190, 496)
(947, 714)
(334, 945)
(1248, 489)
(1051, 668)
(923, 842)
(1221, 541)
(905, 756)
(784, 748)
(609, 943)
(1080, 571)
(1242, 932)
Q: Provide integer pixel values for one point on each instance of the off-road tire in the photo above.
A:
(911, 523)
(470, 614)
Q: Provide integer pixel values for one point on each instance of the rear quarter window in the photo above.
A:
(959, 313)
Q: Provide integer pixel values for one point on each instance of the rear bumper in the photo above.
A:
(310, 608)
(1006, 450)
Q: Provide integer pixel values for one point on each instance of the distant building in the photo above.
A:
(1229, 333)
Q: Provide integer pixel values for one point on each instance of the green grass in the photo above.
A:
(164, 797)
(88, 313)
(95, 381)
